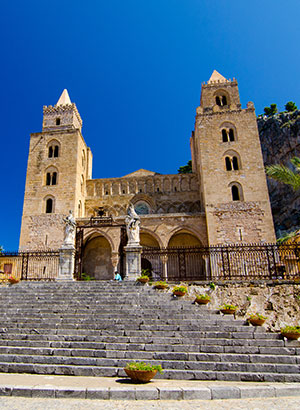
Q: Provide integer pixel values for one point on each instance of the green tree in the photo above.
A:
(290, 106)
(286, 175)
(1, 249)
(186, 169)
(271, 110)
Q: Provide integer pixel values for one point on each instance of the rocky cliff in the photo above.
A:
(280, 139)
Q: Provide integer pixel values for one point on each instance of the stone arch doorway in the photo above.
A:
(96, 260)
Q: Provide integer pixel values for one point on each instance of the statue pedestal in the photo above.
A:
(66, 263)
(133, 261)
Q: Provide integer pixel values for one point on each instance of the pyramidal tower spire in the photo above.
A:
(64, 99)
(216, 77)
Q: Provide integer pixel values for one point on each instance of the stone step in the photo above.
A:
(187, 374)
(111, 351)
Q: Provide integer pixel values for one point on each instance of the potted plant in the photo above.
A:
(143, 278)
(142, 372)
(291, 332)
(180, 290)
(202, 299)
(12, 280)
(161, 285)
(257, 319)
(228, 309)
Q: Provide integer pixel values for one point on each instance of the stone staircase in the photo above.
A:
(95, 328)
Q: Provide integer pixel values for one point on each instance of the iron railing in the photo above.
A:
(236, 262)
(35, 265)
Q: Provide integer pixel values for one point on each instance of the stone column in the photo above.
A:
(66, 263)
(133, 261)
(115, 260)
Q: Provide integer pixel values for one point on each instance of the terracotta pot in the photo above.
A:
(291, 336)
(257, 322)
(228, 311)
(202, 301)
(179, 293)
(143, 280)
(141, 376)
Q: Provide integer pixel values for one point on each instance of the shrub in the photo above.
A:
(228, 307)
(257, 316)
(290, 106)
(290, 329)
(269, 111)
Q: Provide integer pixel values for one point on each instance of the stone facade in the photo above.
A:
(209, 206)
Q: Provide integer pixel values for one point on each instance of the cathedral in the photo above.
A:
(224, 200)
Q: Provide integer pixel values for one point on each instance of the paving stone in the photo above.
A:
(225, 392)
(196, 393)
(170, 393)
(126, 393)
(97, 393)
(257, 391)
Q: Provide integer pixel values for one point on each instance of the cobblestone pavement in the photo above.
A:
(22, 403)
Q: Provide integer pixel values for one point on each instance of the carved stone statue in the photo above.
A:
(70, 225)
(133, 226)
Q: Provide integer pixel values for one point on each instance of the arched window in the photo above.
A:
(228, 164)
(224, 100)
(232, 161)
(57, 121)
(228, 134)
(142, 208)
(51, 176)
(49, 206)
(235, 193)
(53, 149)
(221, 98)
(218, 101)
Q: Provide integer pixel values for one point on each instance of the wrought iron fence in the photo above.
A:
(36, 265)
(236, 262)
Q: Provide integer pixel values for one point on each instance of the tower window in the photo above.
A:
(221, 99)
(228, 164)
(231, 134)
(53, 151)
(224, 135)
(224, 100)
(57, 121)
(49, 206)
(235, 193)
(235, 164)
(218, 101)
(51, 178)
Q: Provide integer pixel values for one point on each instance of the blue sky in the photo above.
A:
(134, 68)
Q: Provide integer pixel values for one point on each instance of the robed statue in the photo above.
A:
(133, 226)
(70, 226)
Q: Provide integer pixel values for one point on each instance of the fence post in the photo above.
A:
(24, 266)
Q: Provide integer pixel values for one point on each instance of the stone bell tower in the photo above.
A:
(227, 156)
(59, 163)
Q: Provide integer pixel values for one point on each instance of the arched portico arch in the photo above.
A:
(183, 237)
(97, 262)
